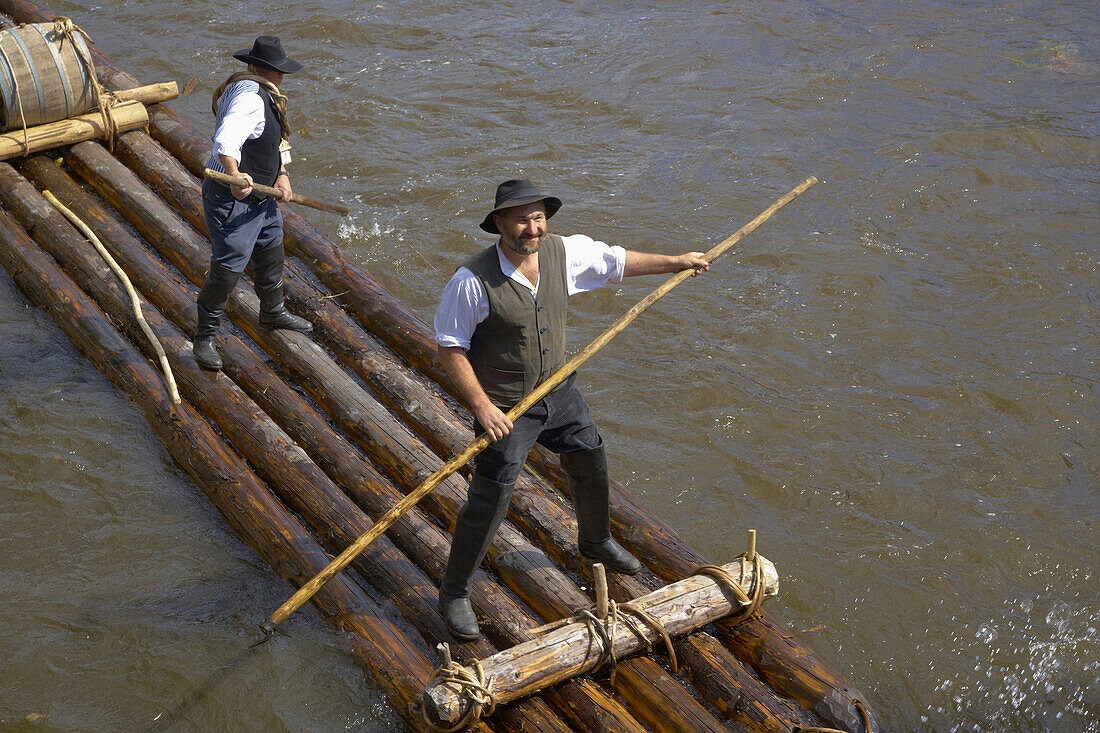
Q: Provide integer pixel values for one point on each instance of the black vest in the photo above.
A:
(260, 156)
(522, 342)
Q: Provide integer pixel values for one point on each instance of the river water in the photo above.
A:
(895, 381)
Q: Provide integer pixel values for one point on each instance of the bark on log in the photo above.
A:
(125, 116)
(149, 93)
(398, 666)
(581, 701)
(574, 648)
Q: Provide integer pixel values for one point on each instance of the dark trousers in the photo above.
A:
(238, 227)
(560, 421)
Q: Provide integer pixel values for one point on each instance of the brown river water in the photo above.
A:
(895, 381)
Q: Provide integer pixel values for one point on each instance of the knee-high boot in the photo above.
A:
(485, 508)
(210, 309)
(267, 276)
(588, 482)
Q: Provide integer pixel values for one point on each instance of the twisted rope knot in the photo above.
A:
(749, 606)
(475, 686)
(104, 99)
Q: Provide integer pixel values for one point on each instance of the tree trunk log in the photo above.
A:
(125, 116)
(149, 93)
(574, 648)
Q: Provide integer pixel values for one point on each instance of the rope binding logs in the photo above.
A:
(602, 621)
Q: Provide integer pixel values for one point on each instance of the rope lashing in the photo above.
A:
(604, 628)
(749, 606)
(105, 100)
(473, 683)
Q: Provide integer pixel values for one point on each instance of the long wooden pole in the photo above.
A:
(276, 193)
(482, 442)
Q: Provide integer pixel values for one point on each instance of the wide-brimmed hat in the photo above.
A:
(267, 51)
(517, 192)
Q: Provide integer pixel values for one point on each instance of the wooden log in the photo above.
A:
(581, 701)
(396, 665)
(125, 116)
(149, 93)
(734, 692)
(574, 648)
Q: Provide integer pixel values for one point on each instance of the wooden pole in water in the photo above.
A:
(303, 594)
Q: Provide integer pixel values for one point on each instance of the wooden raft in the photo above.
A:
(298, 479)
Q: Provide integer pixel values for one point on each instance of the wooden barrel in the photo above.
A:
(47, 69)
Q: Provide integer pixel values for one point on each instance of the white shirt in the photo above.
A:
(240, 117)
(589, 265)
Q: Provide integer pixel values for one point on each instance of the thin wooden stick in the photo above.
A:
(164, 365)
(306, 591)
(276, 193)
(599, 579)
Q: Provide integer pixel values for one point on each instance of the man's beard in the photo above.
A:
(516, 244)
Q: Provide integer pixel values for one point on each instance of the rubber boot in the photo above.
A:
(588, 482)
(485, 508)
(210, 308)
(267, 276)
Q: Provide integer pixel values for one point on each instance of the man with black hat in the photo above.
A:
(500, 330)
(250, 142)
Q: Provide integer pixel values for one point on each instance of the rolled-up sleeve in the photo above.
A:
(462, 306)
(592, 264)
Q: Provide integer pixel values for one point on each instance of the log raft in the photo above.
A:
(319, 473)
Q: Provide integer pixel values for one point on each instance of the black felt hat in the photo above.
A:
(517, 192)
(267, 51)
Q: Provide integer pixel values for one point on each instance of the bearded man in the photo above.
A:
(500, 331)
